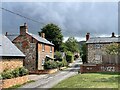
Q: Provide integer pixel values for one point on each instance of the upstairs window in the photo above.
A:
(50, 48)
(97, 46)
(43, 47)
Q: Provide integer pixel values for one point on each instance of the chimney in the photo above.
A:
(87, 36)
(113, 34)
(6, 33)
(23, 29)
(43, 35)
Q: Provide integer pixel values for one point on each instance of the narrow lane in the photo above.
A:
(51, 80)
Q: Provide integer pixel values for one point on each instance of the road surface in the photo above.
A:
(50, 80)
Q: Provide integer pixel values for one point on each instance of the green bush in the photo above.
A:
(69, 57)
(64, 62)
(7, 75)
(0, 77)
(15, 72)
(50, 65)
(60, 64)
(23, 71)
(58, 56)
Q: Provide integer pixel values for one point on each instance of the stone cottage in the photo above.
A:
(35, 48)
(96, 47)
(10, 56)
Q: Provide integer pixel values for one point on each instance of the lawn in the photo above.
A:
(91, 80)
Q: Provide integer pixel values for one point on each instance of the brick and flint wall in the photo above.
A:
(95, 52)
(10, 63)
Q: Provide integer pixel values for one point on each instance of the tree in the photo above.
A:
(53, 34)
(84, 53)
(72, 45)
(113, 49)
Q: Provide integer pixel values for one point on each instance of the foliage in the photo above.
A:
(16, 72)
(113, 49)
(53, 34)
(60, 64)
(50, 64)
(84, 53)
(8, 74)
(23, 71)
(0, 77)
(72, 45)
(58, 55)
(69, 57)
(64, 62)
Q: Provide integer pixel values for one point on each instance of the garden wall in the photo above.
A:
(10, 63)
(50, 71)
(87, 68)
(14, 81)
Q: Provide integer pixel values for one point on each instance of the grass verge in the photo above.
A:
(91, 80)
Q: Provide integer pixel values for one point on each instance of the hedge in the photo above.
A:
(13, 73)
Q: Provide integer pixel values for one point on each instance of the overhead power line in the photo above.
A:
(21, 15)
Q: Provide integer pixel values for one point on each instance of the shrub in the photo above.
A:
(64, 62)
(69, 57)
(58, 56)
(16, 72)
(23, 71)
(50, 65)
(7, 75)
(60, 64)
(0, 77)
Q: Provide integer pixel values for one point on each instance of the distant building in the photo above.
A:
(35, 48)
(96, 47)
(10, 56)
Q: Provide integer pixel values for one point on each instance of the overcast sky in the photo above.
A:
(74, 19)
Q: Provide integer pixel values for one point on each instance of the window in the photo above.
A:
(43, 47)
(50, 48)
(97, 46)
(43, 61)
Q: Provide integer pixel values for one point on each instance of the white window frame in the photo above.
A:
(50, 49)
(43, 47)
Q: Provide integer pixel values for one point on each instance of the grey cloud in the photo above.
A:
(75, 19)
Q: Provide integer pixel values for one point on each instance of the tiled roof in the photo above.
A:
(103, 39)
(7, 48)
(40, 39)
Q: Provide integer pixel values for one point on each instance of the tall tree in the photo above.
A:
(72, 45)
(53, 34)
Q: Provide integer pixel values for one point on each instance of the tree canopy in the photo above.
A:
(72, 45)
(53, 34)
(113, 49)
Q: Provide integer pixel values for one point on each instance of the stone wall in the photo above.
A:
(95, 52)
(10, 63)
(14, 81)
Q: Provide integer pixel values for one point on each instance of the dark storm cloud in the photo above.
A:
(75, 19)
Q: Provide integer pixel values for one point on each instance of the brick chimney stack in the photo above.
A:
(113, 34)
(23, 29)
(43, 35)
(87, 36)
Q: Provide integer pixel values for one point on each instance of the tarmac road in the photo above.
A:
(52, 79)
